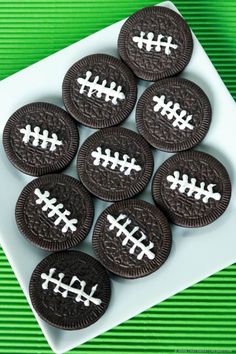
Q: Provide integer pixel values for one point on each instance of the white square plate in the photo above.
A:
(195, 254)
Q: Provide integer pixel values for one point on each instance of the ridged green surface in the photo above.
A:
(201, 318)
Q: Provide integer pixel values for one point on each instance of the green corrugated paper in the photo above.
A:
(200, 319)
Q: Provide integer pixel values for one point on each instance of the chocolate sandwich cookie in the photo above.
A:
(192, 188)
(40, 138)
(155, 43)
(173, 114)
(99, 91)
(115, 164)
(132, 238)
(54, 212)
(70, 290)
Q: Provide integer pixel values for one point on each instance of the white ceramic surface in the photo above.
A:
(195, 254)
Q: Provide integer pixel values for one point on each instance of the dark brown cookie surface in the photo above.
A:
(54, 212)
(173, 114)
(40, 138)
(132, 238)
(155, 43)
(99, 91)
(192, 188)
(115, 164)
(70, 290)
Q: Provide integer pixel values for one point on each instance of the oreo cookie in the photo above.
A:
(173, 114)
(132, 238)
(70, 290)
(192, 188)
(54, 212)
(99, 91)
(155, 43)
(115, 164)
(40, 138)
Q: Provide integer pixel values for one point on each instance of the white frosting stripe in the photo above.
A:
(170, 109)
(157, 44)
(191, 189)
(50, 204)
(111, 93)
(40, 139)
(122, 162)
(64, 289)
(129, 236)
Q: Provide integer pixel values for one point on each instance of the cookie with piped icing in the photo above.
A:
(192, 188)
(173, 114)
(70, 290)
(54, 212)
(99, 91)
(115, 163)
(40, 138)
(155, 43)
(132, 238)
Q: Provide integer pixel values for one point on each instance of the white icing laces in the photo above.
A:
(81, 295)
(115, 161)
(40, 139)
(149, 43)
(183, 185)
(137, 243)
(56, 210)
(110, 93)
(171, 109)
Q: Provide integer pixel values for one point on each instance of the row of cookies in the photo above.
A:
(131, 238)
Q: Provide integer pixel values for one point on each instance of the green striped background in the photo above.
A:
(202, 318)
